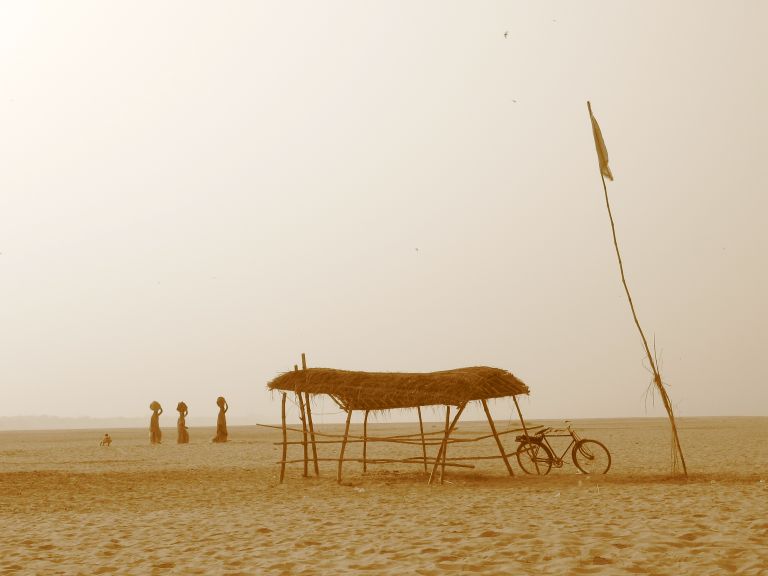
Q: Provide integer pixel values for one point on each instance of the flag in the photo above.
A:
(602, 151)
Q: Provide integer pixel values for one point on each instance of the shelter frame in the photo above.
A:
(439, 462)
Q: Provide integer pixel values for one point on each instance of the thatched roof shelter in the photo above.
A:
(390, 390)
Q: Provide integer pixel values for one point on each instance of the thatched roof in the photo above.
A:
(388, 390)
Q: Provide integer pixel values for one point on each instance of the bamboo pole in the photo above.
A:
(312, 433)
(303, 424)
(520, 414)
(365, 439)
(445, 442)
(402, 439)
(355, 440)
(417, 460)
(656, 375)
(285, 442)
(304, 434)
(496, 437)
(309, 417)
(525, 429)
(338, 402)
(343, 446)
(423, 444)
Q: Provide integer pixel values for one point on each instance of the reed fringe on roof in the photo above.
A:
(389, 390)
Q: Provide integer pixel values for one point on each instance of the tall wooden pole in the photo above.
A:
(423, 443)
(656, 376)
(343, 446)
(285, 441)
(496, 436)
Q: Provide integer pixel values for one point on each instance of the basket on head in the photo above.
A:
(220, 401)
(155, 405)
(181, 407)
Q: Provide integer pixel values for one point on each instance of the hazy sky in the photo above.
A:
(194, 193)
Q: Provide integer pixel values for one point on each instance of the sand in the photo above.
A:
(68, 506)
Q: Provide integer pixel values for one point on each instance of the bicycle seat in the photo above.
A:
(529, 438)
(544, 430)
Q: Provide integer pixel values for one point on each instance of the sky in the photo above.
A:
(194, 193)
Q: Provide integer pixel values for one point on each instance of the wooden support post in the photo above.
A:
(445, 442)
(309, 416)
(312, 433)
(496, 437)
(423, 444)
(304, 433)
(520, 414)
(285, 442)
(525, 428)
(365, 440)
(343, 446)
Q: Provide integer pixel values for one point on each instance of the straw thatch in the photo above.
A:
(389, 390)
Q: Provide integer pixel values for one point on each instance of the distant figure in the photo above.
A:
(155, 435)
(183, 436)
(106, 441)
(221, 422)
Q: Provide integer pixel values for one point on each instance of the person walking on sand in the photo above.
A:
(106, 440)
(181, 425)
(155, 435)
(221, 422)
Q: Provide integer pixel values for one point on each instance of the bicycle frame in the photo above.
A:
(543, 438)
(588, 455)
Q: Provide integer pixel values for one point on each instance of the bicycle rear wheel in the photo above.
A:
(534, 458)
(591, 457)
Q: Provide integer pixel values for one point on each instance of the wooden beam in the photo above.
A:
(445, 442)
(304, 434)
(525, 429)
(365, 440)
(417, 460)
(285, 442)
(423, 444)
(343, 446)
(312, 434)
(496, 437)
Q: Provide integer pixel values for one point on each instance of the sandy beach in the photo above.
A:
(69, 506)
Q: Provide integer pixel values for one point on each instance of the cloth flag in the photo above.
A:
(602, 151)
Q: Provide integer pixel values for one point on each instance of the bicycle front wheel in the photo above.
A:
(534, 458)
(591, 457)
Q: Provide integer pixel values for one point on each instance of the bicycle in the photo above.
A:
(537, 456)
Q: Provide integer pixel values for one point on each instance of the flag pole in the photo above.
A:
(603, 163)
